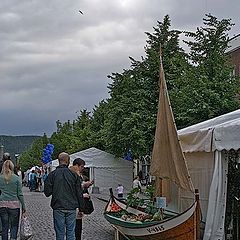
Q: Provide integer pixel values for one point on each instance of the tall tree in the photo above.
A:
(33, 155)
(99, 116)
(210, 89)
(62, 137)
(134, 93)
(81, 131)
(200, 86)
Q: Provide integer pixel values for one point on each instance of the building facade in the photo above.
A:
(234, 52)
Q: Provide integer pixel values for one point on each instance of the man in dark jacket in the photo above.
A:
(65, 188)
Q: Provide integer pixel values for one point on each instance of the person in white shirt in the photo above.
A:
(137, 183)
(120, 189)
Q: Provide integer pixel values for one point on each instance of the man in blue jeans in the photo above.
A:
(65, 188)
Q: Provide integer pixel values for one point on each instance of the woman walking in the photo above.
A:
(10, 199)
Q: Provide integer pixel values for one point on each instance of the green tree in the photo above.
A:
(99, 116)
(62, 137)
(209, 88)
(72, 136)
(33, 155)
(133, 99)
(200, 86)
(82, 131)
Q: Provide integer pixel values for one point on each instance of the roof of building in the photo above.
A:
(234, 44)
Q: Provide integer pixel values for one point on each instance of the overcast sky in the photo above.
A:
(54, 61)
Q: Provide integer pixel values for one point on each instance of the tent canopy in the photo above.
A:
(219, 133)
(208, 165)
(107, 170)
(97, 158)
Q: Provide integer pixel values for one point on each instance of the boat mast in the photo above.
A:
(168, 161)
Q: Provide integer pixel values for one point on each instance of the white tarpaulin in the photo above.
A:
(219, 133)
(106, 169)
(211, 137)
(214, 228)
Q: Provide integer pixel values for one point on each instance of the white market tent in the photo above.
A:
(106, 169)
(208, 166)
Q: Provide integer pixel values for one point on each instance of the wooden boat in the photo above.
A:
(184, 226)
(167, 165)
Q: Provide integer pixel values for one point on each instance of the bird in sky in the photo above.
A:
(80, 11)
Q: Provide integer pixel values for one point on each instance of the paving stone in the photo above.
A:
(40, 215)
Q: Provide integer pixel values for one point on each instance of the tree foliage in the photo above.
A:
(32, 156)
(199, 81)
(134, 93)
(209, 89)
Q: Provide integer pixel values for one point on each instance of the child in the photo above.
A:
(120, 191)
(137, 185)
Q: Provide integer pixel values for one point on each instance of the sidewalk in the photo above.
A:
(40, 215)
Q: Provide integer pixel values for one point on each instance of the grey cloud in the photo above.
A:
(54, 61)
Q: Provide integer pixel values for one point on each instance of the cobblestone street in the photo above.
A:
(40, 216)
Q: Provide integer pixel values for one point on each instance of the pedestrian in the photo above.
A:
(6, 156)
(65, 188)
(137, 185)
(39, 180)
(119, 190)
(19, 172)
(45, 175)
(140, 175)
(78, 167)
(27, 177)
(10, 200)
(33, 180)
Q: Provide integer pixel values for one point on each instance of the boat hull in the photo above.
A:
(184, 226)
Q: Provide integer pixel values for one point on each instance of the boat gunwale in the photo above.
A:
(143, 225)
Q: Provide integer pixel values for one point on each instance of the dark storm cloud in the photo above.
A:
(54, 60)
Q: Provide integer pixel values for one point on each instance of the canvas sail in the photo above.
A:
(168, 161)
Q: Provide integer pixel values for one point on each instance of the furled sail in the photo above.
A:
(168, 161)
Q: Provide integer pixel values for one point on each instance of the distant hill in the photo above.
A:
(16, 144)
